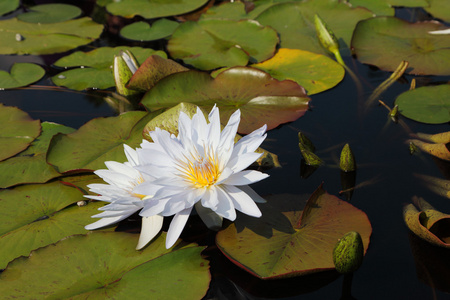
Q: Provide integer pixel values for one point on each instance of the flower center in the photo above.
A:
(202, 172)
(135, 183)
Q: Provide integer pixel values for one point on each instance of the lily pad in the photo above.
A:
(386, 7)
(98, 141)
(386, 41)
(104, 265)
(226, 10)
(261, 98)
(429, 104)
(294, 22)
(142, 31)
(20, 37)
(428, 224)
(18, 131)
(287, 241)
(50, 13)
(22, 74)
(8, 6)
(152, 9)
(315, 72)
(212, 43)
(94, 68)
(30, 166)
(439, 9)
(33, 217)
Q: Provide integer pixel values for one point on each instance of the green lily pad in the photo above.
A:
(33, 217)
(429, 104)
(315, 72)
(212, 43)
(287, 241)
(227, 10)
(20, 37)
(386, 41)
(105, 265)
(50, 13)
(22, 74)
(261, 98)
(439, 9)
(8, 6)
(18, 131)
(142, 31)
(386, 7)
(95, 67)
(98, 141)
(152, 9)
(30, 166)
(294, 22)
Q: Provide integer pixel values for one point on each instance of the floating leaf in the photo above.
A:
(211, 43)
(98, 141)
(151, 9)
(50, 13)
(33, 217)
(8, 6)
(152, 70)
(439, 150)
(429, 104)
(261, 98)
(30, 166)
(141, 31)
(18, 131)
(95, 67)
(386, 7)
(226, 10)
(20, 37)
(22, 74)
(428, 224)
(105, 265)
(440, 9)
(287, 241)
(386, 41)
(315, 72)
(294, 22)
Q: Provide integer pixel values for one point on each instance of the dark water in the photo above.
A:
(337, 116)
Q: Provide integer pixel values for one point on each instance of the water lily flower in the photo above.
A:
(121, 178)
(125, 65)
(201, 167)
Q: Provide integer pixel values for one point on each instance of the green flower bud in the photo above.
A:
(348, 253)
(325, 35)
(307, 149)
(125, 65)
(347, 162)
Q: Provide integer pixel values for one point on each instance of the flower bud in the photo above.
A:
(125, 65)
(325, 35)
(347, 162)
(348, 253)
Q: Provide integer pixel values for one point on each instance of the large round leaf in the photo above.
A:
(430, 104)
(26, 38)
(95, 67)
(315, 72)
(105, 265)
(287, 241)
(98, 141)
(439, 9)
(50, 13)
(22, 74)
(261, 98)
(211, 43)
(386, 7)
(141, 31)
(18, 130)
(151, 9)
(30, 166)
(386, 41)
(8, 6)
(294, 22)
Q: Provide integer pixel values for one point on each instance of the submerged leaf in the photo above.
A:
(261, 98)
(287, 241)
(104, 265)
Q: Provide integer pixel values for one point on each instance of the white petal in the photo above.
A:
(176, 226)
(151, 226)
(242, 201)
(131, 155)
(255, 197)
(245, 178)
(104, 222)
(123, 169)
(240, 162)
(214, 128)
(115, 213)
(184, 128)
(225, 207)
(229, 132)
(209, 199)
(212, 220)
(153, 207)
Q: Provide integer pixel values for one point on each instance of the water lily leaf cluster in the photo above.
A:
(89, 273)
(286, 241)
(19, 37)
(21, 74)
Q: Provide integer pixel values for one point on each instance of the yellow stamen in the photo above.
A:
(200, 171)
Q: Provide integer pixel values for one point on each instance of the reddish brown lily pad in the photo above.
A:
(288, 241)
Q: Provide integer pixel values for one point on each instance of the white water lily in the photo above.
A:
(202, 167)
(121, 179)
